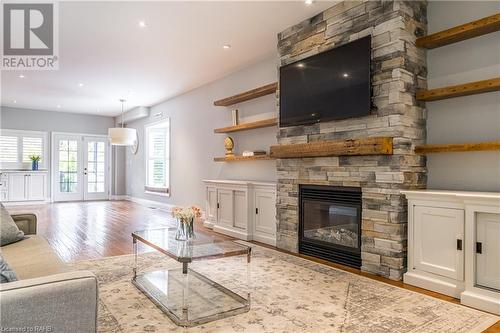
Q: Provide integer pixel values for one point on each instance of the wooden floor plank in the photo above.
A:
(93, 230)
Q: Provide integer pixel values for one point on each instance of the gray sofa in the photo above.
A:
(48, 295)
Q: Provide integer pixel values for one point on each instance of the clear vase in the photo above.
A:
(185, 229)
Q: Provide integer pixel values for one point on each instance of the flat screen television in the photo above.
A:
(331, 85)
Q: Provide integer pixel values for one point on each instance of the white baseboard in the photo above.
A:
(208, 224)
(480, 301)
(232, 232)
(118, 197)
(151, 203)
(429, 282)
(25, 203)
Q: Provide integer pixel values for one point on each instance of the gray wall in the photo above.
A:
(465, 119)
(50, 121)
(194, 144)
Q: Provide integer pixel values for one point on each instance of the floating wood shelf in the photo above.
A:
(365, 146)
(465, 89)
(462, 32)
(248, 126)
(449, 148)
(248, 95)
(238, 158)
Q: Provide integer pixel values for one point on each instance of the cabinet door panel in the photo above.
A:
(240, 210)
(436, 231)
(36, 186)
(211, 203)
(225, 211)
(488, 261)
(17, 187)
(265, 215)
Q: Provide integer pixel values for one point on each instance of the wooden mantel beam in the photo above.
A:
(364, 146)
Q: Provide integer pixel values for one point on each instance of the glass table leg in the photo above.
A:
(185, 292)
(134, 242)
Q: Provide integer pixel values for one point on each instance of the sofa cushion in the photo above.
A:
(6, 273)
(33, 257)
(9, 232)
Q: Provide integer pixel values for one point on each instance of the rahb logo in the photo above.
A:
(30, 36)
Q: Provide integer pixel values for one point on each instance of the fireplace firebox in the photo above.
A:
(330, 223)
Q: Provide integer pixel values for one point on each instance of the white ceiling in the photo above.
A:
(103, 47)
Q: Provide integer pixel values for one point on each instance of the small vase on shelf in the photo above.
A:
(34, 165)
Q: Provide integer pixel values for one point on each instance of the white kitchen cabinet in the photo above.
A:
(36, 186)
(488, 251)
(17, 186)
(264, 228)
(211, 207)
(242, 209)
(454, 245)
(225, 207)
(438, 241)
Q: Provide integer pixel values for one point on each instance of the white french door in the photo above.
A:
(95, 168)
(81, 167)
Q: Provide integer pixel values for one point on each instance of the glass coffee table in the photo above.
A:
(186, 296)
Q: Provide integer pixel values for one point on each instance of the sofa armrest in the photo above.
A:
(65, 302)
(26, 223)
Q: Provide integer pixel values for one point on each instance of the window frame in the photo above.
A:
(20, 134)
(162, 191)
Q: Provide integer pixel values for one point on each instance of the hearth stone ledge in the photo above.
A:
(398, 70)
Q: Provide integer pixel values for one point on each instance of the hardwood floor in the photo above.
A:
(92, 230)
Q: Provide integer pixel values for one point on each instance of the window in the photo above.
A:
(17, 146)
(157, 154)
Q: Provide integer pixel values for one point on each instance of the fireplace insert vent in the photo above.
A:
(330, 223)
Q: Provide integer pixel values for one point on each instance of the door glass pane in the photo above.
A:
(95, 166)
(68, 166)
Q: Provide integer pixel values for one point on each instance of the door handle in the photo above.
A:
(459, 244)
(218, 206)
(256, 211)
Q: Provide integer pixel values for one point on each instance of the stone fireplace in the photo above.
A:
(398, 70)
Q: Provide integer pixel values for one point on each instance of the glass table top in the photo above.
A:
(204, 246)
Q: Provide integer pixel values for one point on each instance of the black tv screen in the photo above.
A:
(331, 85)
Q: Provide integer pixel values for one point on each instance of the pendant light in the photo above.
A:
(122, 136)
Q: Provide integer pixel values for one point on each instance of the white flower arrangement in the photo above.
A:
(186, 214)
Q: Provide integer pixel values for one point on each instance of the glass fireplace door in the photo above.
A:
(333, 223)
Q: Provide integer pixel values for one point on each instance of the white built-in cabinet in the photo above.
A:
(454, 245)
(23, 186)
(242, 209)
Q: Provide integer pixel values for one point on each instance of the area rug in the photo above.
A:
(289, 294)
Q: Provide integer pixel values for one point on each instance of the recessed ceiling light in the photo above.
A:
(80, 84)
(309, 2)
(14, 101)
(21, 76)
(142, 24)
(58, 106)
(226, 46)
(345, 75)
(300, 65)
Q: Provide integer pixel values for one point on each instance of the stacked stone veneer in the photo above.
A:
(398, 69)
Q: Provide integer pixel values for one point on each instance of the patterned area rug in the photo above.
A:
(289, 294)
